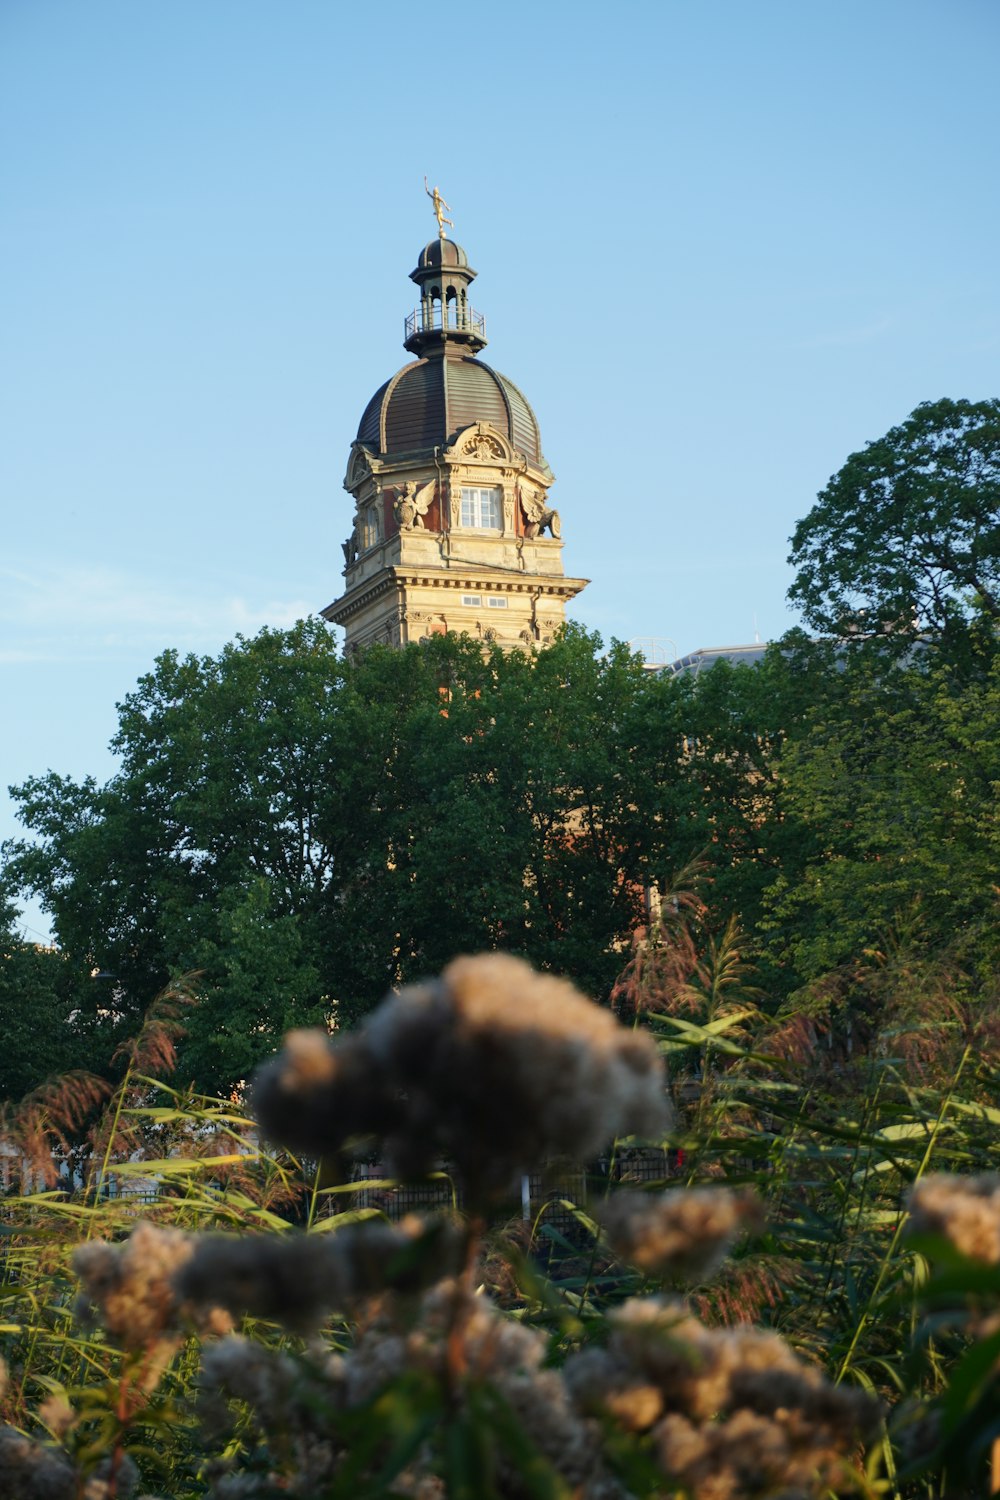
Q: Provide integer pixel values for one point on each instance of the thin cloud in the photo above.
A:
(63, 613)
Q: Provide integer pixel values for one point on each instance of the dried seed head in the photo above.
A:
(964, 1210)
(241, 1370)
(316, 1094)
(132, 1286)
(57, 1415)
(33, 1471)
(745, 1455)
(297, 1280)
(740, 1415)
(494, 1350)
(681, 1234)
(292, 1279)
(493, 1066)
(601, 1385)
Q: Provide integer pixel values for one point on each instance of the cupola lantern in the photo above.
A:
(445, 322)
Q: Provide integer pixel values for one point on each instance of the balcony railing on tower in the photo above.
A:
(434, 316)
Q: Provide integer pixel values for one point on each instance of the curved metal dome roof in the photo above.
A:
(427, 403)
(442, 253)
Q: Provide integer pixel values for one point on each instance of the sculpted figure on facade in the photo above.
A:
(411, 505)
(538, 517)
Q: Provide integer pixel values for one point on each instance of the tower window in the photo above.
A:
(369, 534)
(481, 508)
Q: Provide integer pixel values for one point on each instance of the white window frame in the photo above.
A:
(496, 601)
(370, 531)
(482, 507)
(472, 601)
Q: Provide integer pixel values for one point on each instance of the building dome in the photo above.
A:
(441, 253)
(452, 528)
(427, 403)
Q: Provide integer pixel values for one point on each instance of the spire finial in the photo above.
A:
(439, 207)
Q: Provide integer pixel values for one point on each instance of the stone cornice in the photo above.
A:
(356, 600)
(485, 580)
(471, 579)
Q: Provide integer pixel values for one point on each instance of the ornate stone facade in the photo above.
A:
(452, 527)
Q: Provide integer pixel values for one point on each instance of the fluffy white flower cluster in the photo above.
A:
(678, 1235)
(963, 1210)
(492, 1066)
(728, 1415)
(302, 1406)
(297, 1280)
(732, 1414)
(131, 1286)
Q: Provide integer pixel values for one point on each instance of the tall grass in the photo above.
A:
(832, 1140)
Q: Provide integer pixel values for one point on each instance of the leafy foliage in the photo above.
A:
(887, 791)
(304, 830)
(907, 536)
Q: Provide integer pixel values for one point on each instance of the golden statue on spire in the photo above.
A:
(439, 207)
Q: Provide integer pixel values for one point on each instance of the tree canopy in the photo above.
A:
(887, 814)
(906, 536)
(306, 831)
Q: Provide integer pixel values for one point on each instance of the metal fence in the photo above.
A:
(540, 1193)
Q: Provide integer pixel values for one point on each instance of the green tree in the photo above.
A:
(49, 1011)
(886, 802)
(906, 536)
(212, 815)
(307, 831)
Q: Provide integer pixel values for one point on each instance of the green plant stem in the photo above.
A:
(313, 1198)
(898, 1234)
(595, 1241)
(869, 1113)
(113, 1132)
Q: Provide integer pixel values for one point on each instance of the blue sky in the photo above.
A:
(720, 246)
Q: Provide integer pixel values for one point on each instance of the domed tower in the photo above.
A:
(453, 527)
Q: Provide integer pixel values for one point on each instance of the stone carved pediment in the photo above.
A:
(484, 446)
(361, 465)
(481, 443)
